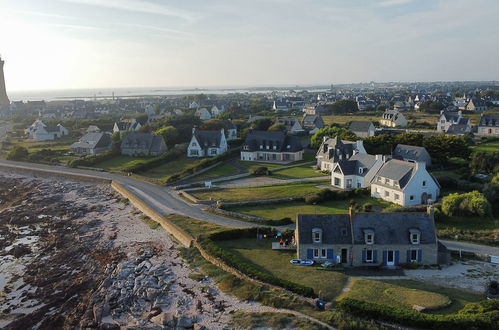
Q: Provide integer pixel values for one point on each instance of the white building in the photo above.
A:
(356, 172)
(207, 143)
(393, 118)
(38, 131)
(203, 114)
(488, 125)
(405, 183)
(333, 150)
(449, 121)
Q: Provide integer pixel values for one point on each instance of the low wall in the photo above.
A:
(263, 202)
(184, 238)
(247, 217)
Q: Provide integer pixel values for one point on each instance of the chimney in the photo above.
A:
(193, 130)
(324, 138)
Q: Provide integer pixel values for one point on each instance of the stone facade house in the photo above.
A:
(488, 125)
(404, 183)
(357, 171)
(92, 144)
(476, 104)
(126, 125)
(451, 119)
(271, 147)
(312, 123)
(393, 118)
(143, 144)
(207, 143)
(412, 154)
(334, 149)
(369, 239)
(362, 129)
(292, 125)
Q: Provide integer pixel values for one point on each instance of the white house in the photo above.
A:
(127, 125)
(203, 114)
(357, 171)
(393, 118)
(404, 183)
(217, 110)
(292, 125)
(488, 125)
(362, 129)
(193, 105)
(334, 149)
(207, 143)
(38, 131)
(448, 121)
(231, 130)
(271, 147)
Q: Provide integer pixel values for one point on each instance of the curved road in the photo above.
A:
(166, 201)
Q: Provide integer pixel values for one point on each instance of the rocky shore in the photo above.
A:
(75, 255)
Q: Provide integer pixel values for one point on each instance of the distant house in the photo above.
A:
(453, 121)
(357, 171)
(393, 118)
(280, 106)
(488, 125)
(332, 150)
(272, 147)
(217, 109)
(93, 129)
(127, 125)
(362, 128)
(412, 154)
(231, 130)
(312, 123)
(404, 183)
(203, 114)
(207, 143)
(143, 144)
(38, 131)
(476, 104)
(92, 144)
(369, 239)
(292, 125)
(193, 105)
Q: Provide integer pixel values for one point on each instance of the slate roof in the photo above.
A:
(229, 124)
(451, 116)
(208, 139)
(360, 126)
(388, 228)
(281, 140)
(352, 165)
(489, 120)
(51, 129)
(391, 115)
(397, 170)
(333, 147)
(410, 152)
(457, 129)
(93, 140)
(144, 141)
(312, 121)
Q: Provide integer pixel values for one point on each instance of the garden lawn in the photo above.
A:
(218, 171)
(290, 210)
(297, 173)
(489, 146)
(163, 172)
(118, 163)
(387, 293)
(276, 262)
(258, 193)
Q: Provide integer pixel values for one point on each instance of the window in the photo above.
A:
(349, 183)
(337, 181)
(361, 170)
(344, 232)
(378, 190)
(396, 196)
(424, 183)
(411, 197)
(261, 147)
(194, 152)
(387, 193)
(213, 151)
(379, 178)
(415, 238)
(194, 144)
(323, 253)
(317, 235)
(369, 256)
(316, 253)
(414, 255)
(387, 181)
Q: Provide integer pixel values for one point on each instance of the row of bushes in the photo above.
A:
(92, 160)
(473, 203)
(153, 162)
(328, 195)
(204, 163)
(232, 260)
(481, 315)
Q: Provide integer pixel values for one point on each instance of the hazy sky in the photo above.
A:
(137, 43)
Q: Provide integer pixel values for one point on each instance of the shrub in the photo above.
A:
(18, 153)
(473, 203)
(153, 162)
(259, 170)
(327, 195)
(91, 160)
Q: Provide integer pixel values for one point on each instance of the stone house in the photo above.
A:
(207, 143)
(292, 125)
(38, 131)
(476, 104)
(412, 154)
(362, 129)
(393, 118)
(271, 147)
(405, 183)
(127, 125)
(369, 239)
(231, 130)
(312, 123)
(143, 144)
(448, 119)
(357, 171)
(92, 144)
(334, 149)
(488, 125)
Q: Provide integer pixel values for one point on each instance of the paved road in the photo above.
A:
(166, 201)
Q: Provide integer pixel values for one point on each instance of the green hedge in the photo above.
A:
(209, 244)
(153, 162)
(481, 315)
(328, 195)
(92, 160)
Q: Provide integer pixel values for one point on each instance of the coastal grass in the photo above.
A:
(118, 163)
(216, 172)
(163, 172)
(150, 222)
(194, 227)
(291, 209)
(259, 253)
(242, 320)
(258, 193)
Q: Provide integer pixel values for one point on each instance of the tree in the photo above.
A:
(344, 106)
(18, 153)
(442, 147)
(342, 133)
(469, 204)
(431, 106)
(212, 125)
(277, 127)
(142, 118)
(170, 134)
(261, 124)
(116, 139)
(484, 162)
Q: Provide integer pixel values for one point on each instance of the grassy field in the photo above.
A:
(290, 210)
(120, 162)
(260, 254)
(257, 193)
(166, 170)
(468, 223)
(390, 294)
(61, 144)
(194, 227)
(342, 120)
(297, 172)
(489, 146)
(216, 172)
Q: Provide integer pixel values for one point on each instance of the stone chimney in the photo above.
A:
(193, 130)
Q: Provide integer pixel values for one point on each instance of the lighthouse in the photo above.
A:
(4, 99)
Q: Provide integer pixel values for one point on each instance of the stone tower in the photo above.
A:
(4, 99)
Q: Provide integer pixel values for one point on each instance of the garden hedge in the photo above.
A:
(92, 160)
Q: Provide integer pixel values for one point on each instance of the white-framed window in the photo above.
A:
(323, 253)
(361, 170)
(387, 181)
(369, 256)
(369, 238)
(194, 144)
(424, 183)
(194, 152)
(396, 196)
(413, 255)
(317, 235)
(316, 253)
(213, 151)
(414, 238)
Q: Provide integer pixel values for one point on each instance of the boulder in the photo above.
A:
(165, 319)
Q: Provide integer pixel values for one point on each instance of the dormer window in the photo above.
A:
(369, 236)
(414, 236)
(261, 147)
(361, 170)
(424, 183)
(317, 235)
(387, 181)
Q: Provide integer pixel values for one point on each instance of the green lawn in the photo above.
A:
(61, 144)
(290, 210)
(168, 169)
(297, 173)
(216, 172)
(120, 162)
(489, 146)
(387, 293)
(307, 157)
(257, 193)
(468, 223)
(261, 255)
(458, 297)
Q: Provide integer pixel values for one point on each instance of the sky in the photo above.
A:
(71, 44)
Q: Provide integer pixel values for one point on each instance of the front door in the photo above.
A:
(344, 256)
(390, 258)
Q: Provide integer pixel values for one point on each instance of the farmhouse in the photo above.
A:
(272, 147)
(357, 171)
(38, 131)
(334, 149)
(453, 121)
(207, 143)
(404, 183)
(143, 144)
(92, 144)
(488, 125)
(362, 129)
(369, 239)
